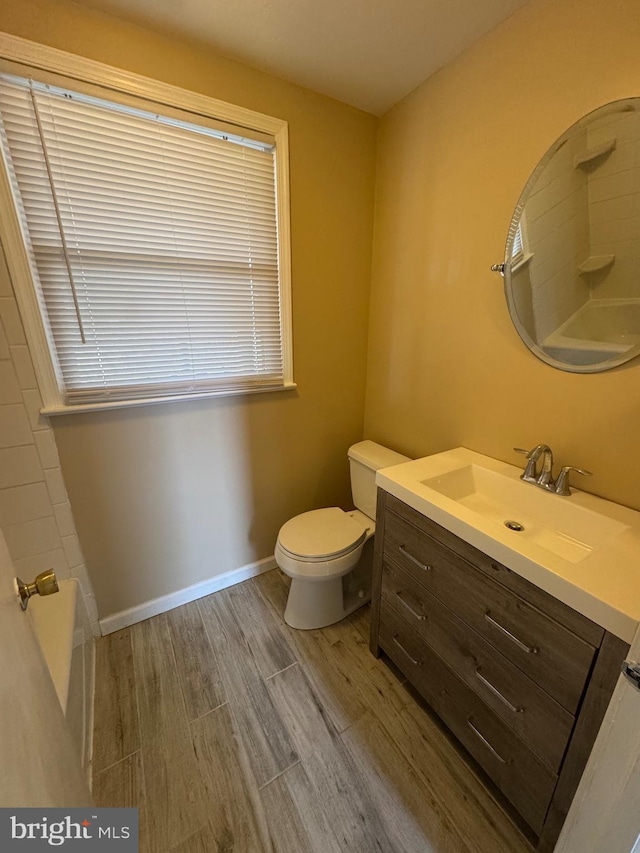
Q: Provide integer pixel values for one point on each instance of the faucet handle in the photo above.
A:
(562, 483)
(530, 472)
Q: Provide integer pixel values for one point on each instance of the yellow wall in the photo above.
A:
(446, 366)
(170, 495)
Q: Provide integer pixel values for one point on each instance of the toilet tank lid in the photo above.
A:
(375, 456)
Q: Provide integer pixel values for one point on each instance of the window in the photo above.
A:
(520, 253)
(517, 252)
(154, 241)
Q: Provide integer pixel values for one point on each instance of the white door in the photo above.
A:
(605, 815)
(38, 764)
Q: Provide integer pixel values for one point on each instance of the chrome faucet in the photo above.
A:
(531, 475)
(544, 477)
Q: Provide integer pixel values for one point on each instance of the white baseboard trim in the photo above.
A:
(140, 612)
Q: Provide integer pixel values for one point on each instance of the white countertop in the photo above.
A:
(603, 585)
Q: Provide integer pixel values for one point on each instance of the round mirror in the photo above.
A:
(572, 262)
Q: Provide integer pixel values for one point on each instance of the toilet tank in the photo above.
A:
(365, 458)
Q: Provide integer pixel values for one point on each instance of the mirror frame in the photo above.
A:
(621, 105)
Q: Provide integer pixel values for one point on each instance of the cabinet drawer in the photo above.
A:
(544, 650)
(520, 775)
(538, 720)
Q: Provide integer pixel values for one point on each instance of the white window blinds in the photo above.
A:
(153, 244)
(518, 249)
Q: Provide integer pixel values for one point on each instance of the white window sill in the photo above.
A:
(62, 409)
(522, 262)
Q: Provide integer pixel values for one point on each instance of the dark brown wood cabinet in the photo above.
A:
(519, 678)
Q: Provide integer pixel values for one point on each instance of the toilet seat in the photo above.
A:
(322, 535)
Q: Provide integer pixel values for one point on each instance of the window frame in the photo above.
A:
(51, 60)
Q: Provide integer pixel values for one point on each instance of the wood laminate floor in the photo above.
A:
(232, 732)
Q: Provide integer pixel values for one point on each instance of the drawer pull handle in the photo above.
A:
(402, 648)
(486, 742)
(531, 650)
(413, 612)
(496, 692)
(413, 559)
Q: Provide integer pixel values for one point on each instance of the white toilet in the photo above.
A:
(328, 553)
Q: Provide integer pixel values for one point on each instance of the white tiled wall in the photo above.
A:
(614, 196)
(558, 224)
(35, 515)
(575, 213)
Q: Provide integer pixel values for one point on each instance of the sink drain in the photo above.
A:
(514, 525)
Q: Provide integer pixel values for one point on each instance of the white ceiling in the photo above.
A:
(367, 53)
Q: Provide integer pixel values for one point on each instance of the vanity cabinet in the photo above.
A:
(519, 678)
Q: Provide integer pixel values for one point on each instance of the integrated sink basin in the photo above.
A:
(582, 549)
(562, 527)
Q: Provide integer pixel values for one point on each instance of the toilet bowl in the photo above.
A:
(317, 550)
(328, 553)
